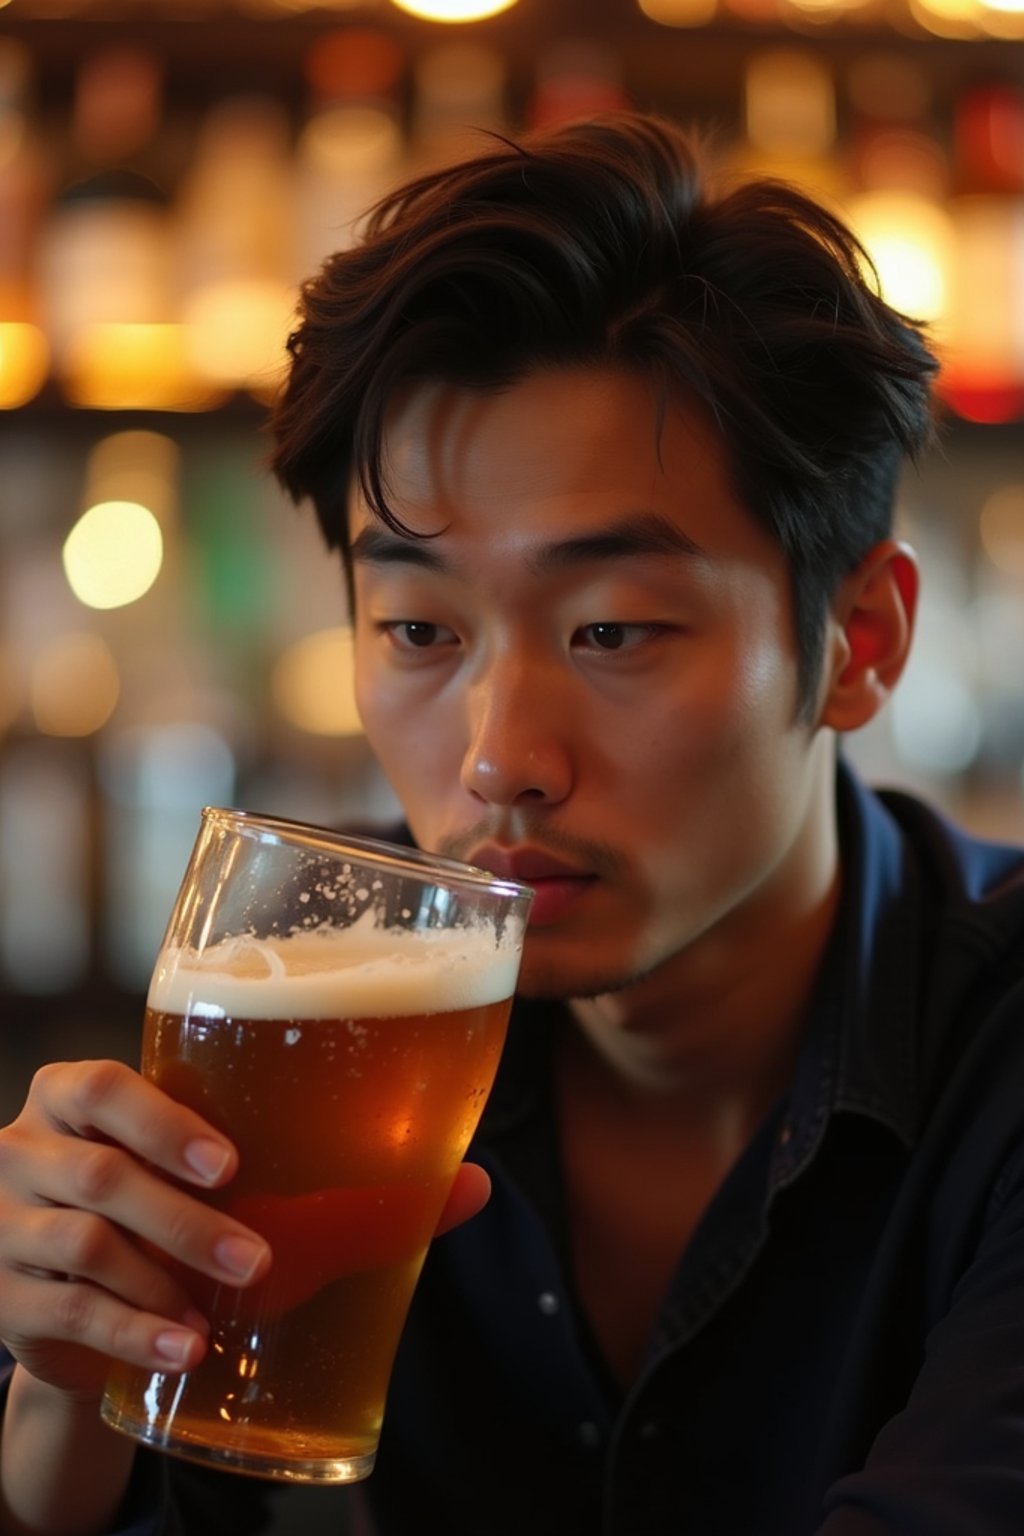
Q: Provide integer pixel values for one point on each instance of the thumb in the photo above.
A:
(469, 1194)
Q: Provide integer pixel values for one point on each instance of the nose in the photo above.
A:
(518, 735)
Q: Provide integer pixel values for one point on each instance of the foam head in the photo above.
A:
(357, 972)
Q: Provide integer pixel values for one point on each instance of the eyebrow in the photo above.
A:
(377, 545)
(630, 537)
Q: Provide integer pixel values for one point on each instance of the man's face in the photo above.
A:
(586, 677)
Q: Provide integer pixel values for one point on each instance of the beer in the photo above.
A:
(350, 1068)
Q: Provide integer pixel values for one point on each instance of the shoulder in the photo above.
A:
(936, 944)
(968, 890)
(979, 871)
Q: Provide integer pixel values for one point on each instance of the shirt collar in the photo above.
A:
(859, 1051)
(882, 942)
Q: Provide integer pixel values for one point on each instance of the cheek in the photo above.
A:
(380, 715)
(754, 703)
(413, 743)
(698, 764)
(736, 708)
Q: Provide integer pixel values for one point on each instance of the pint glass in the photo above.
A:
(337, 1007)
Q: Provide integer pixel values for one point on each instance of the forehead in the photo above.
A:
(559, 453)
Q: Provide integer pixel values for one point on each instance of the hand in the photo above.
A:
(469, 1194)
(85, 1185)
(86, 1175)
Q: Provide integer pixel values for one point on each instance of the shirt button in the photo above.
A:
(785, 1135)
(547, 1301)
(588, 1434)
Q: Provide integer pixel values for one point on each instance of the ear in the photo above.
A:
(869, 635)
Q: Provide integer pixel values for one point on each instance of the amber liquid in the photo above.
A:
(349, 1134)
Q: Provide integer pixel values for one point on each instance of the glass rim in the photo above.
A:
(374, 850)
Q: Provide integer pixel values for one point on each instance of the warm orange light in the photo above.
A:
(453, 10)
(352, 139)
(1002, 23)
(312, 684)
(237, 329)
(789, 102)
(122, 367)
(909, 238)
(984, 375)
(103, 262)
(679, 13)
(24, 363)
(947, 18)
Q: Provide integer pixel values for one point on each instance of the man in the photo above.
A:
(611, 461)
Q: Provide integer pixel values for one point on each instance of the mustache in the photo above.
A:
(590, 855)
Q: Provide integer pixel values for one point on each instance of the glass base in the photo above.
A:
(247, 1460)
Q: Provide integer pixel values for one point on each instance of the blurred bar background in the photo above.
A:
(171, 633)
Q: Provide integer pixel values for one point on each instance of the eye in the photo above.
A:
(615, 637)
(417, 634)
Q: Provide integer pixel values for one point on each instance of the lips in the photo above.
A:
(525, 864)
(557, 885)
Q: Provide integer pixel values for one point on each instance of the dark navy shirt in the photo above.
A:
(841, 1351)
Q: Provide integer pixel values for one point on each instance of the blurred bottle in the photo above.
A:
(105, 271)
(351, 149)
(575, 78)
(985, 374)
(893, 140)
(233, 218)
(25, 176)
(901, 172)
(459, 99)
(789, 123)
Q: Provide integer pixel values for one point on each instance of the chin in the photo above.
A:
(549, 979)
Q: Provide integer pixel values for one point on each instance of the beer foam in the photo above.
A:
(359, 972)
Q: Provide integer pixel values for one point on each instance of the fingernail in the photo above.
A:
(207, 1158)
(239, 1256)
(174, 1346)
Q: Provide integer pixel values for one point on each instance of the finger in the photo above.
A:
(135, 1120)
(110, 1100)
(469, 1194)
(75, 1312)
(84, 1246)
(104, 1179)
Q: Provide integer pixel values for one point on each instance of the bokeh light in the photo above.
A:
(74, 685)
(1001, 528)
(113, 554)
(24, 363)
(312, 684)
(936, 721)
(136, 465)
(679, 13)
(237, 330)
(133, 366)
(910, 240)
(453, 10)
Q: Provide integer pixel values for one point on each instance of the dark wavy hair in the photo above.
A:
(599, 243)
